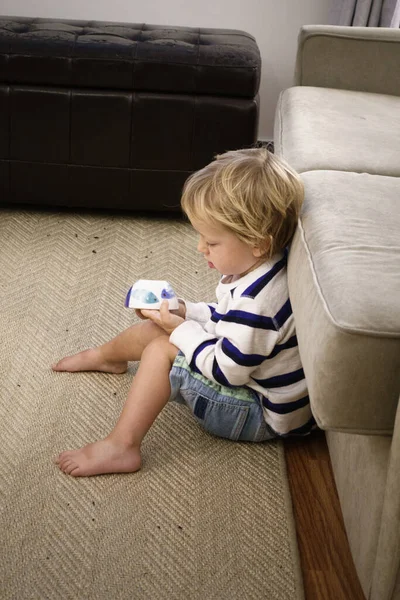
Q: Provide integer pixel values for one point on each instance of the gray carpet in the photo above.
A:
(204, 519)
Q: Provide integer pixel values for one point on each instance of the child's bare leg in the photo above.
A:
(113, 356)
(119, 452)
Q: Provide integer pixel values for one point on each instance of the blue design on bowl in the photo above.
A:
(145, 296)
(168, 293)
(127, 298)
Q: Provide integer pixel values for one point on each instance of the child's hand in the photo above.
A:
(181, 311)
(163, 317)
(139, 314)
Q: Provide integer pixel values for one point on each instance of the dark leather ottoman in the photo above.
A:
(117, 115)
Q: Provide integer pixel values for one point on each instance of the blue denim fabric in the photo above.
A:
(232, 413)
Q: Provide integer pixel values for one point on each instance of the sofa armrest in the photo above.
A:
(386, 574)
(363, 59)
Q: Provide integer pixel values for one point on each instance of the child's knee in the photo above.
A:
(148, 332)
(161, 347)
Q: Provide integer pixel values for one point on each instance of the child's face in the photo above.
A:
(224, 251)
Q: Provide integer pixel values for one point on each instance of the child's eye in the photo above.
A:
(210, 245)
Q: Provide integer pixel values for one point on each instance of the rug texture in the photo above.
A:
(204, 519)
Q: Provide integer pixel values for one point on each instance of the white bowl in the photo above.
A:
(150, 293)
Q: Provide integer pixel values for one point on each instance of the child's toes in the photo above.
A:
(62, 456)
(65, 463)
(69, 467)
(64, 460)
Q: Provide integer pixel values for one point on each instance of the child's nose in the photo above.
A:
(201, 246)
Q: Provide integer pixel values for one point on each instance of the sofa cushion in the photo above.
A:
(322, 128)
(129, 56)
(344, 281)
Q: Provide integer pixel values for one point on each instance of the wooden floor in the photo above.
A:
(327, 565)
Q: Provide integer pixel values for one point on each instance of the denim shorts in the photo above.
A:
(232, 413)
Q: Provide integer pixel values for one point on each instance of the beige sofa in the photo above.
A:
(340, 127)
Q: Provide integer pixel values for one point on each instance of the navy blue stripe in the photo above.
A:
(259, 284)
(216, 316)
(285, 408)
(245, 360)
(282, 380)
(212, 308)
(291, 343)
(243, 317)
(198, 350)
(254, 360)
(283, 314)
(218, 374)
(304, 429)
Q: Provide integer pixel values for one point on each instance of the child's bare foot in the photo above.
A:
(104, 456)
(89, 360)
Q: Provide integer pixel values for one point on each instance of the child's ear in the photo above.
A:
(261, 250)
(257, 252)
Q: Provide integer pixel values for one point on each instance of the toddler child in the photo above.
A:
(236, 362)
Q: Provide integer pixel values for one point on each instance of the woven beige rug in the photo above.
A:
(204, 519)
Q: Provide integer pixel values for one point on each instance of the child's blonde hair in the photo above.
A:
(251, 192)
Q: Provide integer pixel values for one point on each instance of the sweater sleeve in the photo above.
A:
(199, 311)
(242, 339)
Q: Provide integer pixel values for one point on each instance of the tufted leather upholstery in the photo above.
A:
(117, 115)
(128, 56)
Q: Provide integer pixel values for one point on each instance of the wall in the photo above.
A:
(274, 24)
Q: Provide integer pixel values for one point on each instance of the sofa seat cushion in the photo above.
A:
(129, 56)
(322, 128)
(344, 281)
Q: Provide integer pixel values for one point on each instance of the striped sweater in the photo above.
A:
(248, 338)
